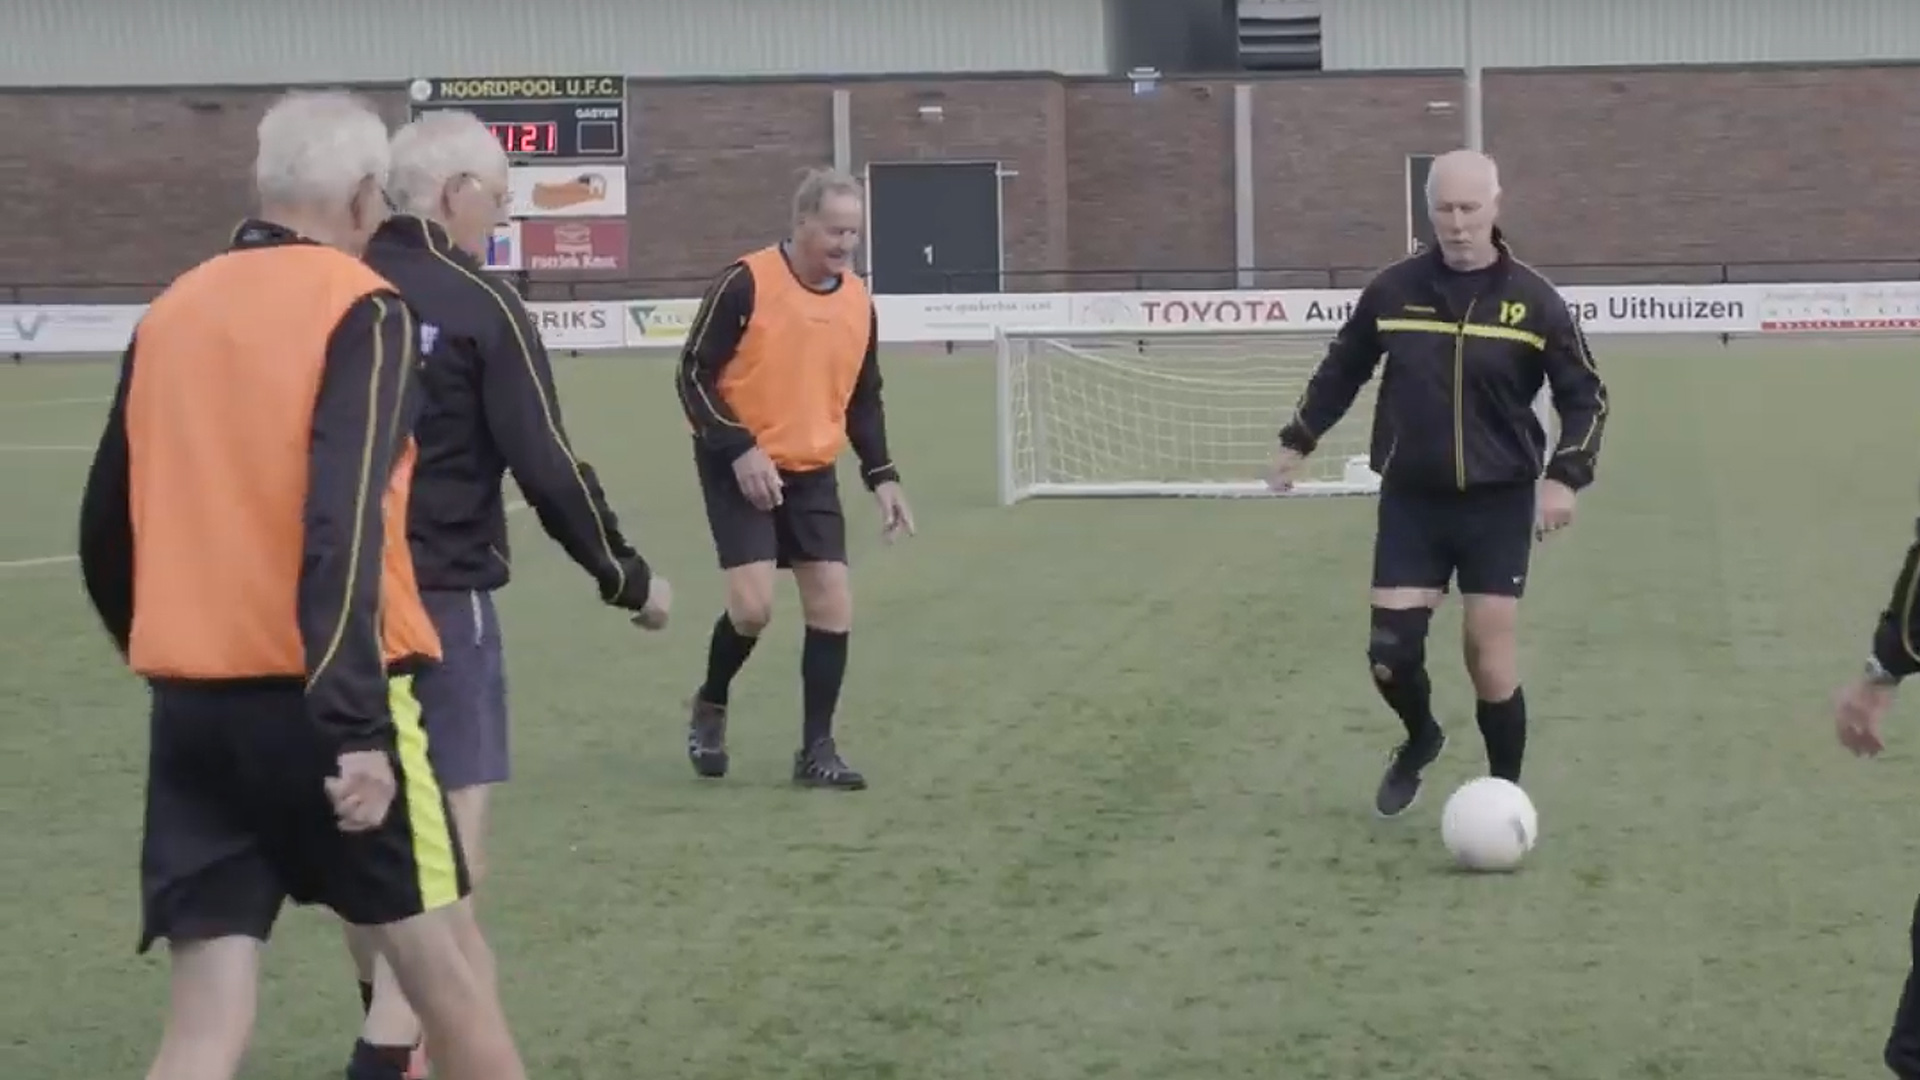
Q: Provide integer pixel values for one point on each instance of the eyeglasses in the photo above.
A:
(501, 198)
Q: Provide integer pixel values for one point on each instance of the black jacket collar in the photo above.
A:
(256, 233)
(417, 233)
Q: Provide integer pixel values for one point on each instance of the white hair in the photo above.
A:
(316, 148)
(1492, 170)
(818, 186)
(433, 150)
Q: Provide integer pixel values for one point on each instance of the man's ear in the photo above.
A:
(369, 204)
(448, 192)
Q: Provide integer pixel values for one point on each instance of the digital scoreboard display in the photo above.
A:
(538, 117)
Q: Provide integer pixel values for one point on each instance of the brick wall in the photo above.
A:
(1606, 172)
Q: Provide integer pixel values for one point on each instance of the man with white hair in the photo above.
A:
(490, 406)
(781, 371)
(262, 586)
(1468, 335)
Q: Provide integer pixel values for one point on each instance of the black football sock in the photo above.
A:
(366, 997)
(1503, 724)
(823, 667)
(370, 1062)
(726, 654)
(1410, 695)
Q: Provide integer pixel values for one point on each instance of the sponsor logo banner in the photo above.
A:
(579, 325)
(64, 328)
(570, 244)
(1627, 309)
(659, 322)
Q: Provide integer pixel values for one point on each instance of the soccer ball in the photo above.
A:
(1489, 824)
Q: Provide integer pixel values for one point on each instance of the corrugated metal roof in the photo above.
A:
(1364, 35)
(190, 42)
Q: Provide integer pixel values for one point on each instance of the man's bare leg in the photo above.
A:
(433, 957)
(364, 955)
(212, 998)
(1491, 641)
(392, 1028)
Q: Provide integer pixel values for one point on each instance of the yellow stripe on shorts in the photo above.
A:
(433, 855)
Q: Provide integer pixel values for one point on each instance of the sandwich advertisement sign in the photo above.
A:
(568, 191)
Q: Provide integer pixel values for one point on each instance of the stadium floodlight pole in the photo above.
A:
(1477, 140)
(1470, 67)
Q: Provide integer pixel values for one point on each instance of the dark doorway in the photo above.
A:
(934, 227)
(1419, 225)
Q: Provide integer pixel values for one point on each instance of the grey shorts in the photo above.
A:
(463, 699)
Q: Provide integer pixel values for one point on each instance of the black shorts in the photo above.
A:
(238, 821)
(1482, 538)
(807, 527)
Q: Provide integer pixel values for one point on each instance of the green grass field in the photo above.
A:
(1123, 755)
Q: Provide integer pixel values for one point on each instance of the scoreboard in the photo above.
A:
(537, 118)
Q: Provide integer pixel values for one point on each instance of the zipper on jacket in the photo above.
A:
(1459, 398)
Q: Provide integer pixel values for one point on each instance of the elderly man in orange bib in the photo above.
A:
(779, 374)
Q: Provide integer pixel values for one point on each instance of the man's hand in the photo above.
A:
(896, 517)
(362, 792)
(1858, 709)
(1286, 466)
(1556, 508)
(653, 614)
(759, 478)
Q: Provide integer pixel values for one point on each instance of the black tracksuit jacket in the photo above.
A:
(1465, 356)
(491, 407)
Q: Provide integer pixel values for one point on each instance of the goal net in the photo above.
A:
(1165, 413)
(1196, 413)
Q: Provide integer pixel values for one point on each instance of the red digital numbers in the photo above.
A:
(527, 138)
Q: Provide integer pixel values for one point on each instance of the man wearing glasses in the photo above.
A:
(490, 407)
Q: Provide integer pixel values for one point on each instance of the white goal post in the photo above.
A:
(1104, 412)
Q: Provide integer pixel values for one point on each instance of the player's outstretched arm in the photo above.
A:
(524, 418)
(106, 520)
(1579, 396)
(362, 419)
(1351, 358)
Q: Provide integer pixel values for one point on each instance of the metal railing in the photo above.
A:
(107, 291)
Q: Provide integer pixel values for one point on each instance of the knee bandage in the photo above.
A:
(1397, 647)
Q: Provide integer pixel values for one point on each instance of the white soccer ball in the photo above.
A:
(1489, 824)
